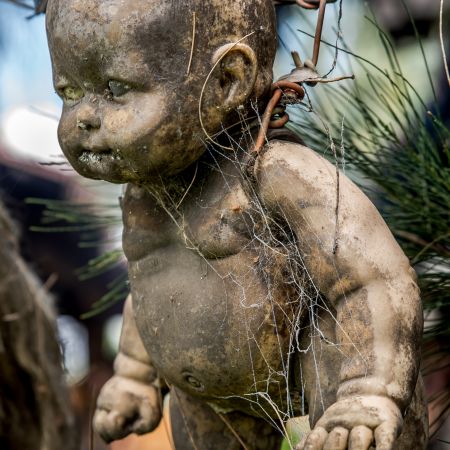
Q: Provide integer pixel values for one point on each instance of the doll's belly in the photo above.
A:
(215, 328)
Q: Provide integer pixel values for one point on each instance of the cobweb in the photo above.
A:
(281, 395)
(280, 264)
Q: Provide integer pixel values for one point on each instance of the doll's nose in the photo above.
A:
(88, 118)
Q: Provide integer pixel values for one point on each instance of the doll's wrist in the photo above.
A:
(368, 386)
(128, 367)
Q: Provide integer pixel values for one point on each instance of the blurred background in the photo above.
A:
(36, 184)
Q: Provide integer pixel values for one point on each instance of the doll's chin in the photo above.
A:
(107, 165)
(111, 166)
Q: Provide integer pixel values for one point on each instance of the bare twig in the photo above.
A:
(165, 421)
(441, 38)
(414, 238)
(318, 36)
(189, 187)
(192, 44)
(92, 403)
(233, 431)
(19, 3)
(188, 431)
(329, 80)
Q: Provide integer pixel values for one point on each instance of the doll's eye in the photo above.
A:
(118, 88)
(71, 93)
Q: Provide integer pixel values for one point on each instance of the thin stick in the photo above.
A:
(91, 417)
(191, 438)
(235, 434)
(192, 44)
(441, 38)
(329, 80)
(318, 36)
(297, 61)
(167, 430)
(189, 188)
(166, 426)
(19, 3)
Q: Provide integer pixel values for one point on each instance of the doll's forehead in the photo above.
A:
(113, 21)
(105, 11)
(135, 33)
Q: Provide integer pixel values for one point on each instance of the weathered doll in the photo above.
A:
(253, 296)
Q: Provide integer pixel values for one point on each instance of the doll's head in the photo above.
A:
(131, 106)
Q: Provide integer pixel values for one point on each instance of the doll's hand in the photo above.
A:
(126, 406)
(356, 423)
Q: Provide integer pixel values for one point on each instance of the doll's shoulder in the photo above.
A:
(284, 168)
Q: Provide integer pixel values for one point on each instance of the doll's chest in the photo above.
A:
(215, 219)
(211, 302)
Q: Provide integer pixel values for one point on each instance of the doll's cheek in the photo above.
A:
(125, 127)
(118, 121)
(67, 133)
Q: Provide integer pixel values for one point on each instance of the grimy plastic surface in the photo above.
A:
(263, 287)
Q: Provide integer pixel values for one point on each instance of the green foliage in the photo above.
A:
(90, 221)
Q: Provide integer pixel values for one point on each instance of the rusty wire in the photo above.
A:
(311, 4)
(279, 88)
(285, 85)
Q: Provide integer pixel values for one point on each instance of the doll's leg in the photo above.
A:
(195, 426)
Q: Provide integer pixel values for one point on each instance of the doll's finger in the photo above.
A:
(115, 420)
(113, 427)
(386, 435)
(142, 426)
(104, 401)
(316, 439)
(99, 419)
(148, 421)
(337, 439)
(149, 411)
(360, 438)
(102, 424)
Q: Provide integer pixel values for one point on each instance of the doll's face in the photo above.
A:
(130, 110)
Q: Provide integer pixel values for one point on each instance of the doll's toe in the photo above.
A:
(337, 439)
(386, 435)
(361, 437)
(315, 440)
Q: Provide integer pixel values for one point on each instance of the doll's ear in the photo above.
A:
(236, 71)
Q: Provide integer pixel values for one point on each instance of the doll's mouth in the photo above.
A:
(107, 165)
(99, 164)
(94, 157)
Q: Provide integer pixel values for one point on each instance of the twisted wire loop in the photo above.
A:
(294, 92)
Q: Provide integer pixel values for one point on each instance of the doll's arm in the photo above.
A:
(129, 402)
(355, 262)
